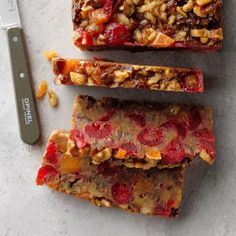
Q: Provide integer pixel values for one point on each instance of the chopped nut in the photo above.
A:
(197, 10)
(154, 79)
(78, 78)
(102, 156)
(50, 54)
(53, 98)
(120, 76)
(171, 20)
(152, 36)
(204, 40)
(122, 19)
(181, 35)
(138, 35)
(90, 82)
(163, 7)
(203, 2)
(199, 33)
(181, 12)
(42, 90)
(150, 17)
(206, 157)
(188, 6)
(173, 85)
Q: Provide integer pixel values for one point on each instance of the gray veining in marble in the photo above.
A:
(27, 210)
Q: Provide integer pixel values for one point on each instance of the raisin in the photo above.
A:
(121, 193)
(117, 34)
(150, 137)
(79, 138)
(174, 152)
(51, 153)
(139, 120)
(98, 130)
(45, 173)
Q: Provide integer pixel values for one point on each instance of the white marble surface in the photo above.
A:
(26, 210)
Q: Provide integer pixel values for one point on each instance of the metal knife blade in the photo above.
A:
(9, 13)
(25, 101)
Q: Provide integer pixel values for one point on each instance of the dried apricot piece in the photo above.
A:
(42, 90)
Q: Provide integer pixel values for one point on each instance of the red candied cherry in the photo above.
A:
(83, 38)
(98, 130)
(108, 8)
(45, 173)
(139, 120)
(174, 152)
(106, 169)
(150, 137)
(180, 127)
(79, 138)
(117, 34)
(195, 119)
(121, 193)
(129, 147)
(165, 211)
(51, 154)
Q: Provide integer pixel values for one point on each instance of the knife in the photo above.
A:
(25, 100)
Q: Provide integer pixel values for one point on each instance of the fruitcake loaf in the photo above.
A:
(119, 75)
(66, 169)
(142, 135)
(147, 24)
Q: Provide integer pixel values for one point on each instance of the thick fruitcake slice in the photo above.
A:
(142, 135)
(68, 169)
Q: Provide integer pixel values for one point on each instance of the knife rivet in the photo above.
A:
(22, 75)
(15, 39)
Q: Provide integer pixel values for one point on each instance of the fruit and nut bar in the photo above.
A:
(142, 135)
(189, 24)
(119, 75)
(153, 192)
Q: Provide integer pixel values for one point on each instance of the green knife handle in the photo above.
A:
(25, 100)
